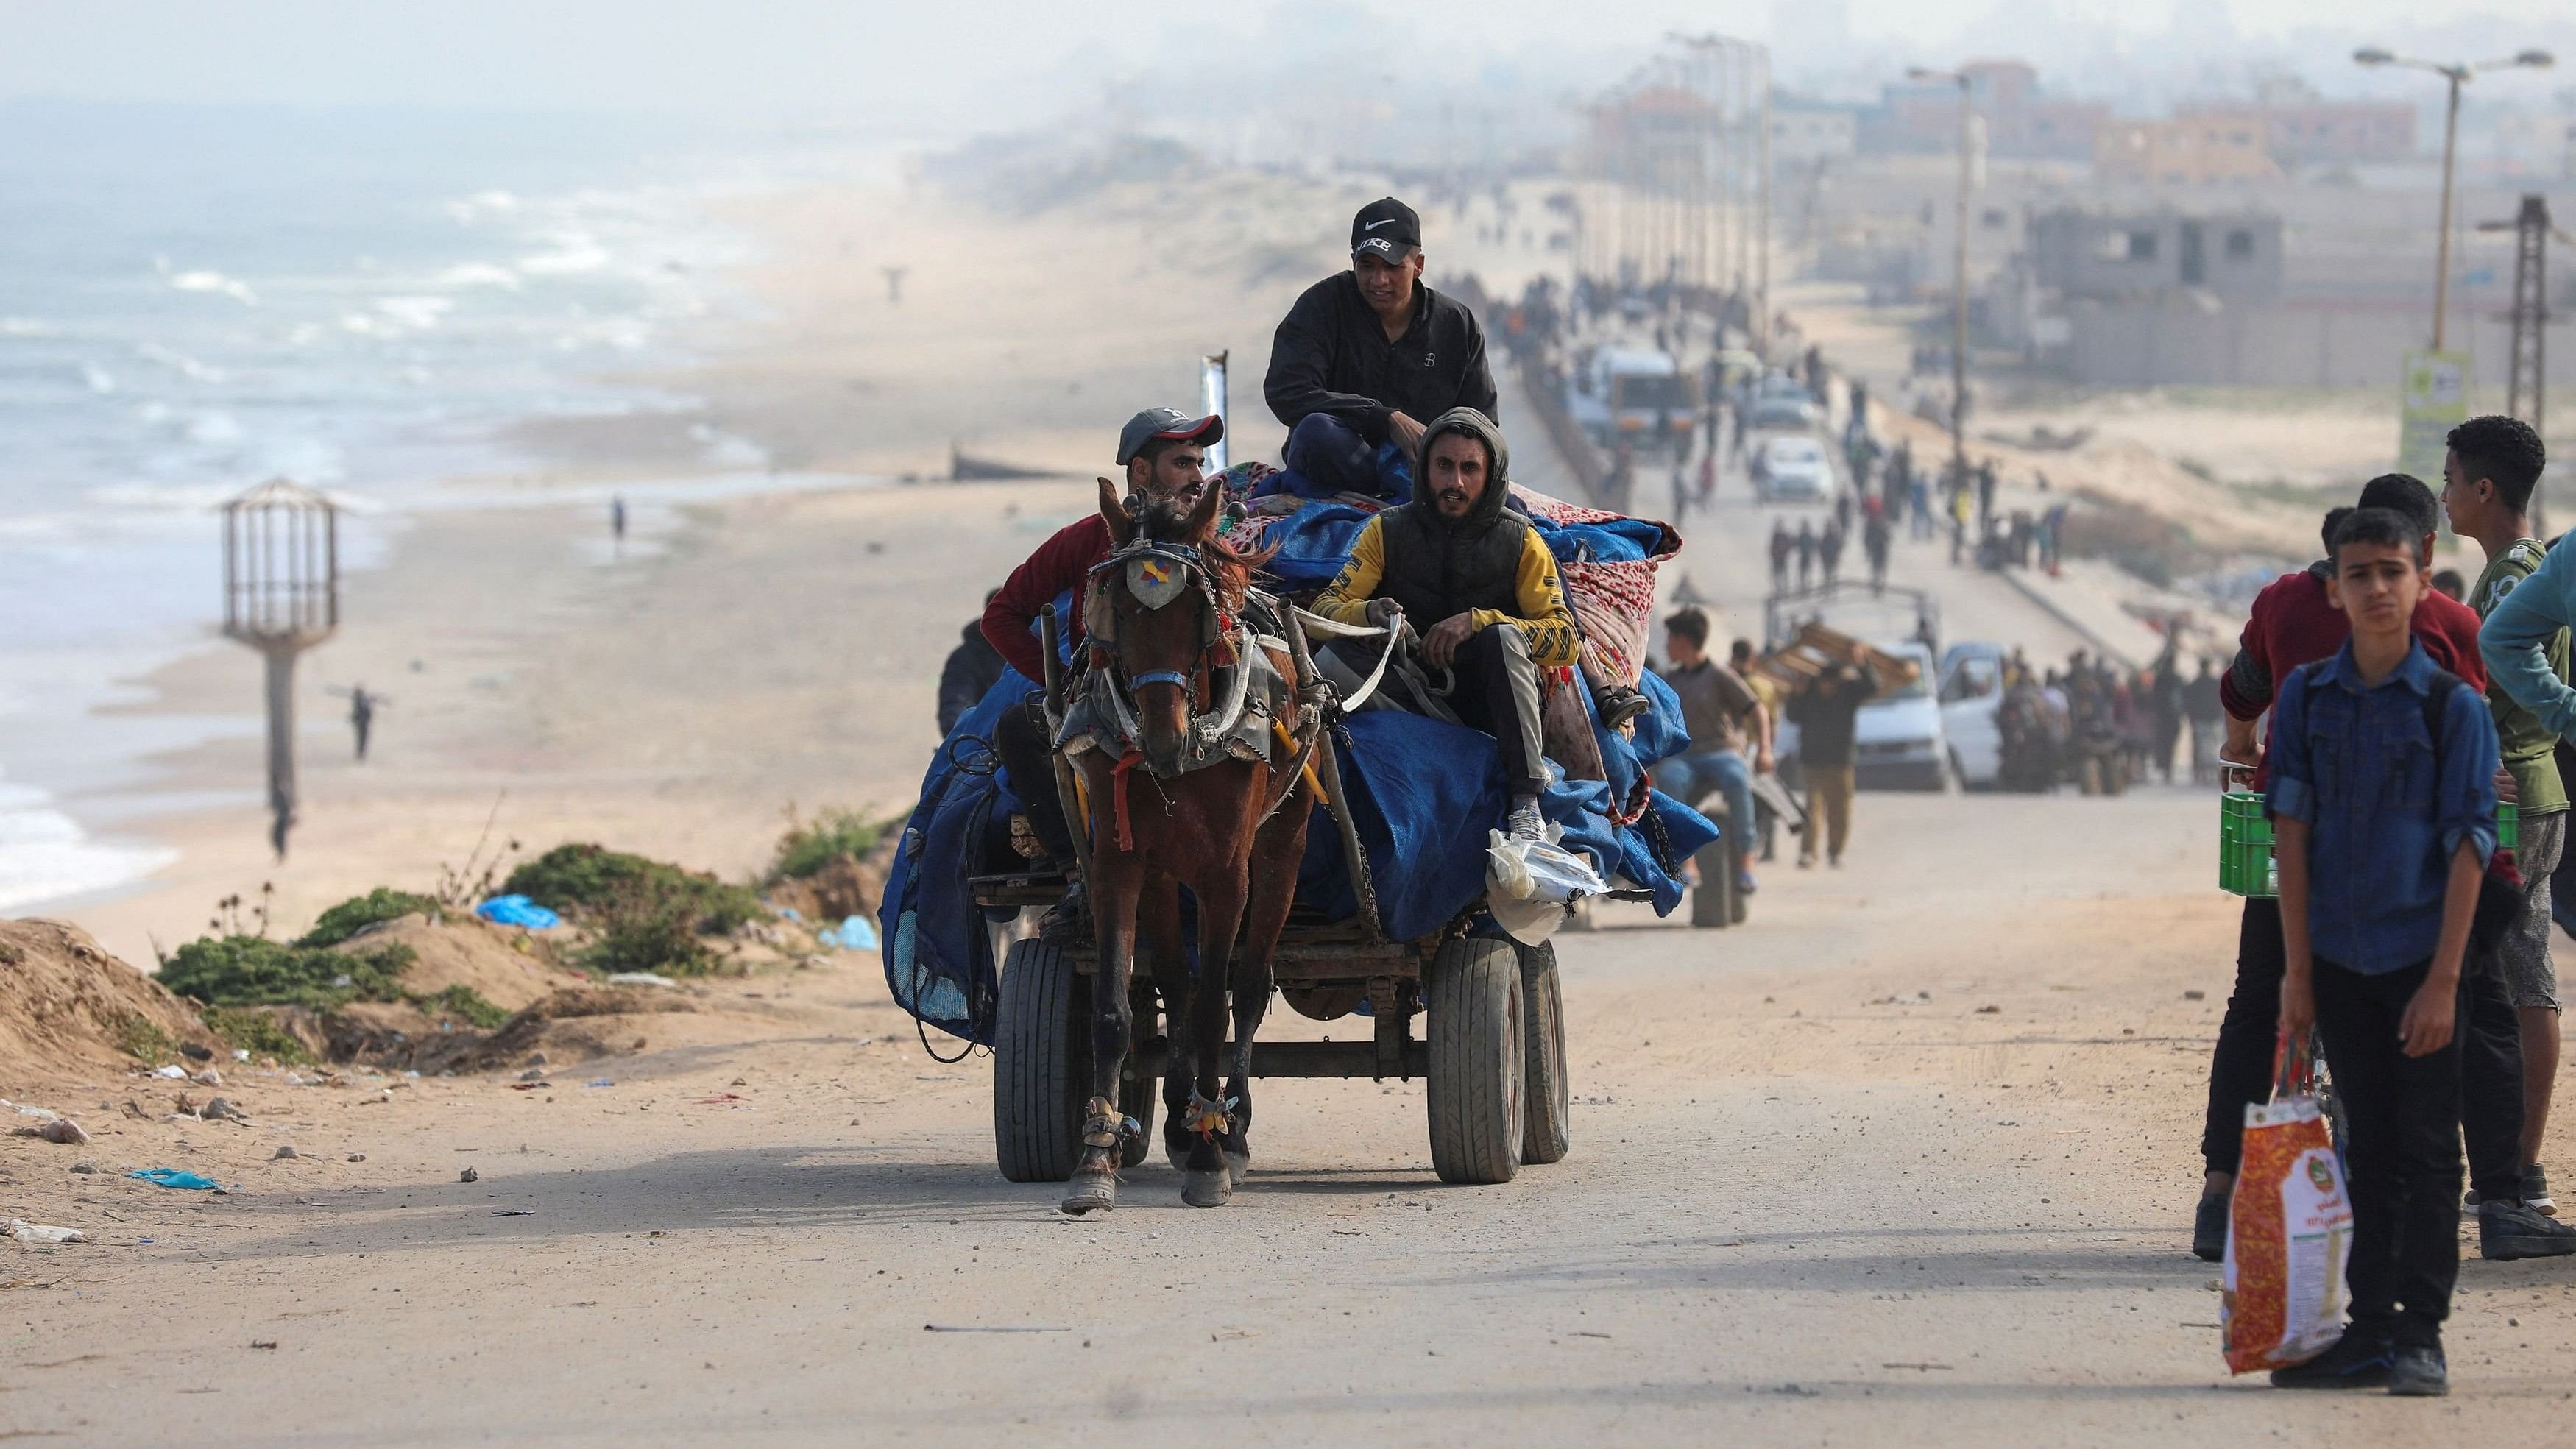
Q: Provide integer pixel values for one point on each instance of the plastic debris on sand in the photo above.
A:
(517, 911)
(173, 1177)
(855, 933)
(27, 1232)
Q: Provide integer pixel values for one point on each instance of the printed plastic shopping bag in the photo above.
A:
(2289, 1229)
(1530, 885)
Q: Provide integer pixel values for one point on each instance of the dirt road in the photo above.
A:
(1907, 1159)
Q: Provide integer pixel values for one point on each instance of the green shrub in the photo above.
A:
(247, 1028)
(143, 1039)
(597, 882)
(255, 971)
(357, 913)
(466, 1004)
(810, 845)
(642, 930)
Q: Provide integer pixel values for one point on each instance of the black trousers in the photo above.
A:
(1020, 738)
(1497, 692)
(2402, 1148)
(2489, 1046)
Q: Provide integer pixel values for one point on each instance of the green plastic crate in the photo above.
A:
(2245, 864)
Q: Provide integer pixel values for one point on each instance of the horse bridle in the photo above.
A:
(1158, 573)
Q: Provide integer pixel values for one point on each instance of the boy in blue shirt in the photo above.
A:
(2384, 827)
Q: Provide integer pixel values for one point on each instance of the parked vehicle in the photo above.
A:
(1972, 694)
(1792, 469)
(1623, 392)
(1897, 739)
(1780, 403)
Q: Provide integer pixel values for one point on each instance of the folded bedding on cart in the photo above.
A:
(1424, 792)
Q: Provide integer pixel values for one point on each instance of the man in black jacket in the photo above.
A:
(1368, 356)
(972, 668)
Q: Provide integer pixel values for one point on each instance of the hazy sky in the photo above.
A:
(946, 59)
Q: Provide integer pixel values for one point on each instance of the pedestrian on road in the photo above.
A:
(2164, 709)
(2201, 707)
(2494, 464)
(2381, 847)
(1782, 546)
(1842, 509)
(1730, 736)
(1829, 550)
(2295, 621)
(1825, 708)
(362, 716)
(1985, 494)
(1874, 541)
(1806, 552)
(617, 524)
(1739, 657)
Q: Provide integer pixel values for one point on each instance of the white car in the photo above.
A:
(1792, 469)
(1897, 739)
(1972, 690)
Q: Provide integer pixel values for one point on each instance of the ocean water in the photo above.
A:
(195, 300)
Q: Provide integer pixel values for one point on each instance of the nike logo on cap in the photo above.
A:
(1381, 221)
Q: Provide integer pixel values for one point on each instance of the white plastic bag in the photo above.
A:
(1531, 885)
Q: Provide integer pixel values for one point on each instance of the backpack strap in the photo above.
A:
(2437, 700)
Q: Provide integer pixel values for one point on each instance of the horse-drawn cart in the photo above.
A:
(1492, 1052)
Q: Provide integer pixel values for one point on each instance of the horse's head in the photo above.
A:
(1153, 607)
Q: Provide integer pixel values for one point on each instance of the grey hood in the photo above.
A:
(1489, 506)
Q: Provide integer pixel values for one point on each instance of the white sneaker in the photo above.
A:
(1524, 822)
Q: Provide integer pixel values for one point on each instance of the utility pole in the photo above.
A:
(2527, 373)
(1959, 273)
(281, 597)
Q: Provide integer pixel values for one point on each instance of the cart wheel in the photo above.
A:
(1041, 1064)
(1735, 905)
(1547, 1111)
(1713, 901)
(1478, 1052)
(1138, 1091)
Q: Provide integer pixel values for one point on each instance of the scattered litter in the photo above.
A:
(241, 1054)
(720, 1098)
(285, 1153)
(529, 1086)
(208, 1078)
(1588, 1333)
(171, 1073)
(134, 1109)
(517, 911)
(533, 1074)
(1921, 1368)
(2195, 994)
(855, 933)
(263, 1343)
(41, 1114)
(987, 1328)
(469, 1175)
(173, 1177)
(61, 1129)
(640, 978)
(513, 1213)
(357, 1157)
(602, 1082)
(27, 1232)
(1989, 1011)
(222, 1109)
(85, 1169)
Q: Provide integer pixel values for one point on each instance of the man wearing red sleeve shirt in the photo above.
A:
(1163, 451)
(2292, 623)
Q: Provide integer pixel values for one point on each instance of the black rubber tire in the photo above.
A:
(1479, 1051)
(1547, 1102)
(1735, 906)
(1041, 1064)
(1713, 899)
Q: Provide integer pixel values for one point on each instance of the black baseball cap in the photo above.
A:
(1154, 423)
(1385, 228)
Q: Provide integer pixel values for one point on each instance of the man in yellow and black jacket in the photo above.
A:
(1479, 586)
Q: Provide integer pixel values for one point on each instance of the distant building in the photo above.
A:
(1919, 117)
(2223, 147)
(2080, 254)
(1805, 132)
(2299, 127)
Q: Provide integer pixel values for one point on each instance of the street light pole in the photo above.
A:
(2457, 74)
(1959, 271)
(2442, 247)
(1959, 298)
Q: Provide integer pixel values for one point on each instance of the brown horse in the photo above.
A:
(1167, 637)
